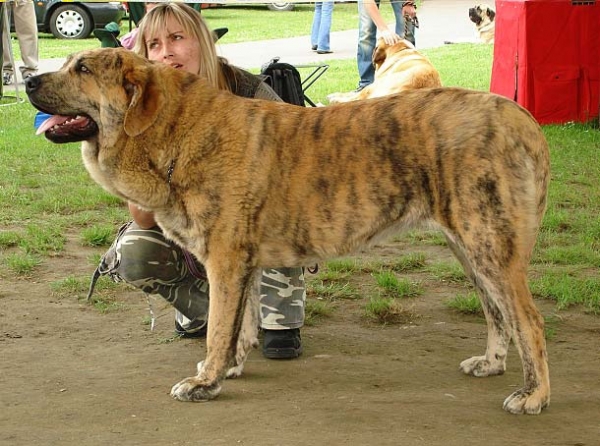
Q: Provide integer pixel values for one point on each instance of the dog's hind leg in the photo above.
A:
(232, 327)
(498, 334)
(510, 313)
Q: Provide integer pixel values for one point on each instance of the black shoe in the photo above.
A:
(196, 330)
(314, 47)
(324, 51)
(282, 344)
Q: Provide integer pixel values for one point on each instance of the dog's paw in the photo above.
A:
(526, 402)
(332, 98)
(233, 372)
(196, 390)
(338, 98)
(480, 366)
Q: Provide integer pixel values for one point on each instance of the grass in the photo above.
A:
(393, 286)
(466, 304)
(46, 194)
(388, 311)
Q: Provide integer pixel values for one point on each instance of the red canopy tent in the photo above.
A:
(547, 57)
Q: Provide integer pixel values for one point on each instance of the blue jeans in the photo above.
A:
(321, 26)
(367, 40)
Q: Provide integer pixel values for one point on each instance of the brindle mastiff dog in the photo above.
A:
(245, 184)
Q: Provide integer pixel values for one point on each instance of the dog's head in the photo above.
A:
(481, 14)
(95, 91)
(383, 50)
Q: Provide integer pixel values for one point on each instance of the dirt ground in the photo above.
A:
(70, 375)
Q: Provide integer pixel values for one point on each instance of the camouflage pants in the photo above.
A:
(145, 259)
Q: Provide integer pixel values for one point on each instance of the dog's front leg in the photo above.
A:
(232, 329)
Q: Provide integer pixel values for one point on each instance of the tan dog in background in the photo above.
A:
(484, 19)
(245, 184)
(484, 16)
(399, 67)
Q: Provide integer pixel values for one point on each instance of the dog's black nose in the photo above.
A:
(32, 83)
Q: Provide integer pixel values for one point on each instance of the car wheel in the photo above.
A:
(71, 22)
(281, 6)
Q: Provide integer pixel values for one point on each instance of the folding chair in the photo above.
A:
(311, 78)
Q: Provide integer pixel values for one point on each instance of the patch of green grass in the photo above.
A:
(43, 239)
(315, 310)
(9, 239)
(98, 235)
(568, 288)
(406, 263)
(332, 290)
(105, 291)
(388, 311)
(69, 286)
(21, 264)
(168, 340)
(391, 285)
(452, 272)
(431, 238)
(466, 304)
(338, 269)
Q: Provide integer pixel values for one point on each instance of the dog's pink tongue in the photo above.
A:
(51, 122)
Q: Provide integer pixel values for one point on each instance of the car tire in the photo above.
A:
(281, 6)
(71, 22)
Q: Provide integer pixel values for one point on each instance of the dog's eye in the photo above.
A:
(82, 68)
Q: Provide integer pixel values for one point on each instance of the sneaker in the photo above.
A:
(359, 88)
(282, 344)
(197, 329)
(7, 78)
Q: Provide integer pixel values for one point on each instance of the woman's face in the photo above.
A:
(174, 47)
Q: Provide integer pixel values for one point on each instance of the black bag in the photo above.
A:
(285, 79)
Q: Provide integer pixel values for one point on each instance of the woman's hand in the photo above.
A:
(390, 37)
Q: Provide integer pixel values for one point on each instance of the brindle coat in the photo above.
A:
(246, 183)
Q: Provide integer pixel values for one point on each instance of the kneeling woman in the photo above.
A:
(176, 34)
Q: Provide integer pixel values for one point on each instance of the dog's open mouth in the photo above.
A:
(63, 129)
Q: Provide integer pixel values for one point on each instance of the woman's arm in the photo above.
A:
(389, 36)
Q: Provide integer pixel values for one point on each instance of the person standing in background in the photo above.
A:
(321, 27)
(128, 40)
(23, 12)
(370, 22)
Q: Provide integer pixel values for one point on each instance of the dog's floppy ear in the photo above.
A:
(491, 13)
(380, 53)
(145, 98)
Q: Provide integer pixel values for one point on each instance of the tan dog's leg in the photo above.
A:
(232, 328)
(510, 313)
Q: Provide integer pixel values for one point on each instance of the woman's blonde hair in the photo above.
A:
(194, 26)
